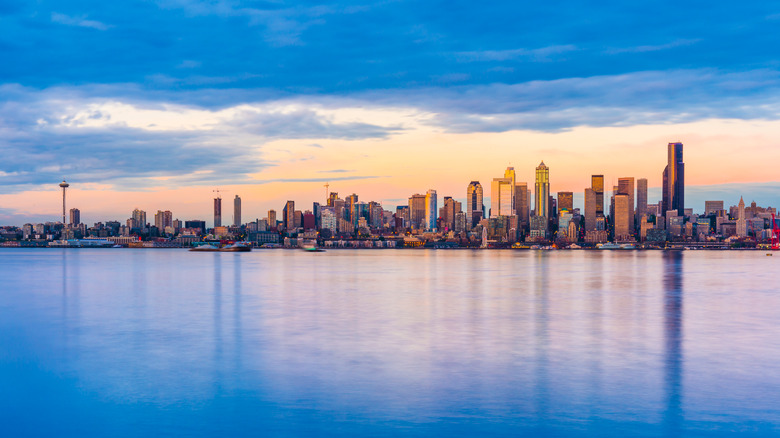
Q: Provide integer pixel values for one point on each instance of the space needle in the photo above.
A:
(64, 186)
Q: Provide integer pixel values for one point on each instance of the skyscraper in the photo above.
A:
(502, 194)
(522, 206)
(288, 215)
(139, 218)
(431, 209)
(272, 219)
(626, 187)
(217, 211)
(590, 209)
(597, 184)
(237, 211)
(542, 205)
(474, 203)
(75, 217)
(674, 180)
(741, 222)
(565, 201)
(641, 197)
(163, 219)
(417, 211)
(622, 217)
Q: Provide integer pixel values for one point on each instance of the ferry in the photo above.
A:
(237, 247)
(205, 248)
(311, 246)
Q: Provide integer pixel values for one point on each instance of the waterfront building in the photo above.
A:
(237, 211)
(674, 180)
(431, 210)
(542, 186)
(474, 203)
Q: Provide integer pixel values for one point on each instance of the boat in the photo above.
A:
(311, 246)
(205, 248)
(237, 247)
(608, 246)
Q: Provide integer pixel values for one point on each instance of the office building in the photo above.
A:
(431, 210)
(237, 211)
(474, 204)
(597, 185)
(641, 198)
(674, 180)
(623, 219)
(417, 211)
(712, 207)
(626, 187)
(502, 195)
(75, 217)
(217, 212)
(272, 219)
(591, 199)
(565, 202)
(542, 186)
(288, 215)
(522, 205)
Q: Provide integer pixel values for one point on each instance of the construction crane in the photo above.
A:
(217, 191)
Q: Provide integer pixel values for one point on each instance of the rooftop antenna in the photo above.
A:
(327, 187)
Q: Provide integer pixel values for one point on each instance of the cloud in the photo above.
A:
(540, 54)
(654, 48)
(77, 21)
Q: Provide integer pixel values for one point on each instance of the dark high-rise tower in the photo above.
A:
(218, 211)
(474, 202)
(237, 211)
(674, 180)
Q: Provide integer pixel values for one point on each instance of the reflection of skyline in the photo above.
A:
(673, 337)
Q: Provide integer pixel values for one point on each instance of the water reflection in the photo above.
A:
(673, 367)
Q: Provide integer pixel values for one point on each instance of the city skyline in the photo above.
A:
(700, 195)
(413, 104)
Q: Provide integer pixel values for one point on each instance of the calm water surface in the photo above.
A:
(381, 343)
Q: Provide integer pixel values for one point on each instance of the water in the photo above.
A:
(387, 342)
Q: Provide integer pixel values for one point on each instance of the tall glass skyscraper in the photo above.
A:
(674, 180)
(542, 206)
(474, 203)
(431, 210)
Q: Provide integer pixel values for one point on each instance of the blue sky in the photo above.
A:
(461, 68)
